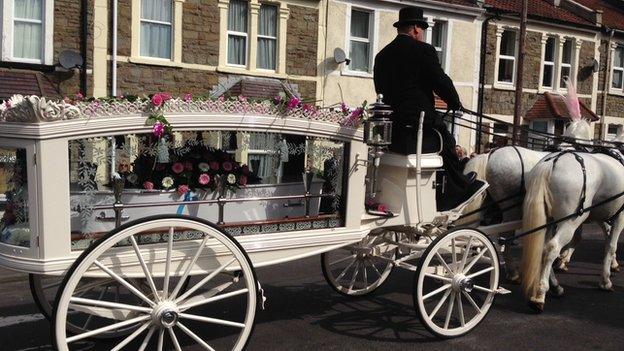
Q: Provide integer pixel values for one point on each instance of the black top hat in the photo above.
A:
(411, 15)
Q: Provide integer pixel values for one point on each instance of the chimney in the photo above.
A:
(582, 11)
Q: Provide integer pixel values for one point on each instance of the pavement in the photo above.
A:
(303, 313)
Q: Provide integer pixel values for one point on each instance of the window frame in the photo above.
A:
(245, 35)
(619, 90)
(7, 29)
(570, 65)
(370, 40)
(552, 64)
(444, 38)
(276, 38)
(500, 57)
(172, 35)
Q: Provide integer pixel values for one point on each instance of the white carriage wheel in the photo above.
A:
(161, 318)
(359, 269)
(456, 282)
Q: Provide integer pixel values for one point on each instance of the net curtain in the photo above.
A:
(267, 27)
(359, 49)
(156, 28)
(237, 22)
(28, 30)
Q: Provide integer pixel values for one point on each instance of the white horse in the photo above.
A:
(562, 181)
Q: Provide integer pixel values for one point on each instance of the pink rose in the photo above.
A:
(245, 169)
(293, 103)
(183, 189)
(370, 202)
(188, 98)
(382, 208)
(278, 99)
(157, 100)
(148, 185)
(204, 179)
(158, 129)
(188, 166)
(242, 98)
(79, 96)
(177, 168)
(344, 108)
(227, 166)
(214, 165)
(221, 98)
(242, 180)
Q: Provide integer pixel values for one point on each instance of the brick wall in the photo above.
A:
(585, 75)
(490, 52)
(145, 79)
(502, 102)
(615, 105)
(200, 32)
(302, 41)
(124, 27)
(533, 60)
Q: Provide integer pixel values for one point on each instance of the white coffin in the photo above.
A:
(103, 220)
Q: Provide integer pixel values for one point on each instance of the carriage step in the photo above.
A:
(502, 291)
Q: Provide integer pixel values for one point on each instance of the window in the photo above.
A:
(614, 129)
(438, 39)
(237, 33)
(566, 62)
(618, 68)
(548, 79)
(267, 37)
(28, 29)
(359, 41)
(156, 28)
(507, 57)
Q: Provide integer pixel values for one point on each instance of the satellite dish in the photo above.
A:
(69, 59)
(340, 56)
(595, 65)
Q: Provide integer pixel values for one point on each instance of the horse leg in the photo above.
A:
(610, 248)
(561, 264)
(556, 290)
(606, 229)
(563, 235)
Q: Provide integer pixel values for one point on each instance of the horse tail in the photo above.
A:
(478, 165)
(537, 205)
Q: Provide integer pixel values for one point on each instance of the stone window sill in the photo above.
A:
(360, 74)
(257, 72)
(154, 62)
(504, 86)
(616, 92)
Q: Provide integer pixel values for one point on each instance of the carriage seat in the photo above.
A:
(427, 161)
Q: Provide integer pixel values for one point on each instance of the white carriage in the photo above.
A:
(156, 264)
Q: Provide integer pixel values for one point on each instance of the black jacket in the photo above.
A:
(407, 73)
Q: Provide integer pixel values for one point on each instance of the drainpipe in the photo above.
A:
(114, 43)
(520, 73)
(481, 93)
(83, 45)
(605, 87)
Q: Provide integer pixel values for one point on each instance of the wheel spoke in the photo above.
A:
(439, 305)
(161, 339)
(212, 299)
(437, 291)
(205, 280)
(180, 284)
(472, 301)
(212, 320)
(453, 252)
(365, 275)
(131, 337)
(194, 336)
(99, 303)
(342, 260)
(449, 311)
(148, 275)
(107, 328)
(465, 256)
(86, 324)
(124, 283)
(460, 310)
(481, 272)
(174, 339)
(147, 338)
(355, 274)
(168, 264)
(480, 288)
(474, 261)
(438, 277)
(374, 267)
(444, 262)
(346, 269)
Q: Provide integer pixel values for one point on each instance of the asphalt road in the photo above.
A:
(303, 313)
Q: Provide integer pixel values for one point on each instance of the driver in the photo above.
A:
(407, 73)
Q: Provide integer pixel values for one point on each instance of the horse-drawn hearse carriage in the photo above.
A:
(151, 235)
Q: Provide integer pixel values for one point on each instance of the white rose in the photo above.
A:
(204, 167)
(167, 182)
(231, 178)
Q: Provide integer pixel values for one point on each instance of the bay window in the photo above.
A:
(360, 41)
(156, 28)
(548, 77)
(507, 57)
(267, 37)
(617, 75)
(237, 32)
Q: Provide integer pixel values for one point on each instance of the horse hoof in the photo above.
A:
(561, 269)
(537, 307)
(557, 291)
(615, 269)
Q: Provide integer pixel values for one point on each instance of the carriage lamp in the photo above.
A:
(378, 127)
(377, 135)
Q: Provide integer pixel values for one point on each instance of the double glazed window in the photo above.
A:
(156, 28)
(239, 35)
(507, 57)
(566, 62)
(360, 41)
(438, 39)
(617, 80)
(548, 79)
(28, 29)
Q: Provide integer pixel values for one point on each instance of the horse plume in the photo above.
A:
(579, 128)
